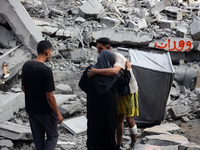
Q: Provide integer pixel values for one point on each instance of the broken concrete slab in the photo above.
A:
(21, 23)
(67, 110)
(161, 129)
(110, 22)
(63, 89)
(123, 37)
(195, 30)
(61, 98)
(160, 6)
(6, 38)
(173, 44)
(154, 147)
(173, 13)
(190, 78)
(15, 61)
(165, 139)
(189, 146)
(178, 111)
(181, 31)
(76, 125)
(14, 131)
(6, 143)
(91, 9)
(10, 103)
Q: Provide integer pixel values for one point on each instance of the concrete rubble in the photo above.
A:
(73, 27)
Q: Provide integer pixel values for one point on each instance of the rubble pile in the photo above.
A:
(73, 27)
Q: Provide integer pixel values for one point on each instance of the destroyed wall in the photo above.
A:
(72, 28)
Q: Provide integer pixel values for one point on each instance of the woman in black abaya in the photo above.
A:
(101, 105)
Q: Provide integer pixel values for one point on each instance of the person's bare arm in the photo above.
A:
(52, 102)
(23, 89)
(106, 72)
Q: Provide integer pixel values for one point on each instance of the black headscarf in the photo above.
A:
(104, 83)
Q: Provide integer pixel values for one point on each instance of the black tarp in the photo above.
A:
(154, 74)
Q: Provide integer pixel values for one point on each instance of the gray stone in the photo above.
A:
(63, 89)
(110, 22)
(178, 111)
(6, 143)
(161, 129)
(4, 148)
(14, 131)
(166, 24)
(189, 146)
(91, 9)
(2, 19)
(195, 30)
(63, 98)
(165, 139)
(160, 6)
(10, 103)
(174, 92)
(123, 37)
(21, 23)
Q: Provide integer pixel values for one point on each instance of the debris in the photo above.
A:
(76, 125)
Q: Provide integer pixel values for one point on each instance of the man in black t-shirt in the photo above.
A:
(38, 86)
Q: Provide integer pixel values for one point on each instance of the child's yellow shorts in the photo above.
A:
(128, 105)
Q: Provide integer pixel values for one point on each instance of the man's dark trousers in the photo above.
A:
(41, 124)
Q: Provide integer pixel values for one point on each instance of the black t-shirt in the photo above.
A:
(37, 79)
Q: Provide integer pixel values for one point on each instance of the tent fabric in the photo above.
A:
(154, 74)
(153, 60)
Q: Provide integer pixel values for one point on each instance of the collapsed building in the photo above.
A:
(72, 27)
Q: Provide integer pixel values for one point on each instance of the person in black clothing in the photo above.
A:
(102, 103)
(38, 86)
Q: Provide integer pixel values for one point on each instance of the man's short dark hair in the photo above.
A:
(104, 41)
(42, 46)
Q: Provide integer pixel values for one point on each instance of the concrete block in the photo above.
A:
(166, 24)
(166, 139)
(173, 13)
(157, 8)
(150, 3)
(63, 89)
(91, 9)
(6, 143)
(181, 31)
(178, 111)
(123, 37)
(21, 23)
(14, 131)
(195, 30)
(6, 38)
(161, 129)
(189, 146)
(142, 23)
(10, 103)
(110, 22)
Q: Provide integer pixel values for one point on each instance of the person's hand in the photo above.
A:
(91, 72)
(60, 118)
(128, 65)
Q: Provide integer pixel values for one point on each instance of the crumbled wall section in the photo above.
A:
(21, 23)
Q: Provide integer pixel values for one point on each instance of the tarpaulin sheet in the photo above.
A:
(154, 74)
